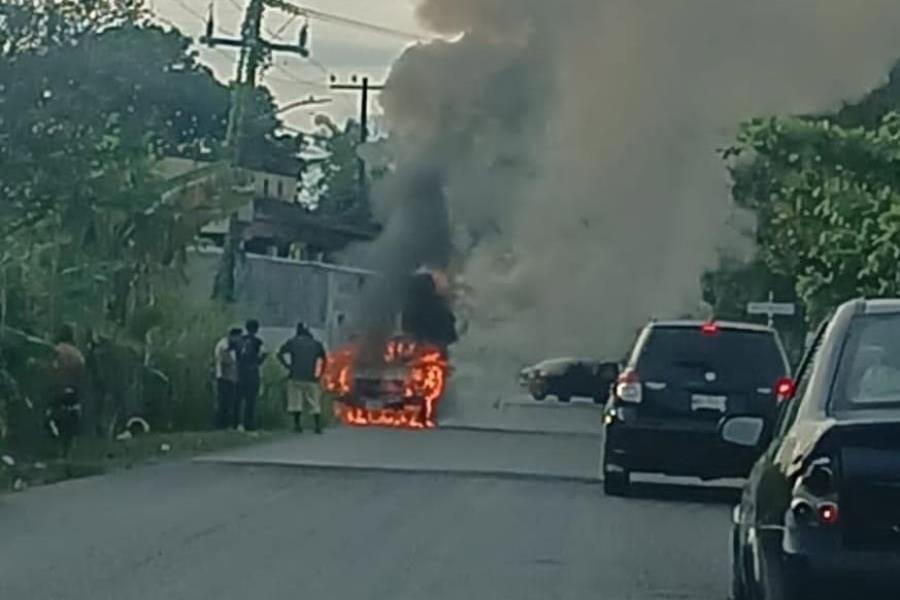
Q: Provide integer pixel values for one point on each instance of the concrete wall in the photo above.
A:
(281, 292)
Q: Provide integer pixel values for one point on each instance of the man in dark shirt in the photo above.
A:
(250, 358)
(304, 358)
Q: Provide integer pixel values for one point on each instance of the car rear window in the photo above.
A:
(868, 374)
(739, 358)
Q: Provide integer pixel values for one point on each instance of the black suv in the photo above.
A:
(682, 379)
(822, 504)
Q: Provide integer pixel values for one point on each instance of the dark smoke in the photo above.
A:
(570, 147)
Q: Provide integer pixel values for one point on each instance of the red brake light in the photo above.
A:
(828, 513)
(628, 376)
(709, 328)
(784, 389)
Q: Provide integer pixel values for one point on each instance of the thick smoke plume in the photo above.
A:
(572, 146)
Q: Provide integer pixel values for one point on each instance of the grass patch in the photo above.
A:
(95, 456)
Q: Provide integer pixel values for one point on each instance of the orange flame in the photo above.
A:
(337, 377)
(409, 417)
(422, 387)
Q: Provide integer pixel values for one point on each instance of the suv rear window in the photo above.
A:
(868, 374)
(739, 358)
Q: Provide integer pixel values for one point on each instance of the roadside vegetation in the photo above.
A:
(93, 96)
(825, 191)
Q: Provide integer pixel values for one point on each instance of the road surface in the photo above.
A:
(501, 522)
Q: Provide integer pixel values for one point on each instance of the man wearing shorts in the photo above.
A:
(304, 358)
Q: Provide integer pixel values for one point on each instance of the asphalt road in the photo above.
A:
(222, 531)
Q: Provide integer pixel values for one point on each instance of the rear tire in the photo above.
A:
(738, 574)
(616, 483)
(783, 578)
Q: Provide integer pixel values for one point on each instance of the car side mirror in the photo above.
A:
(742, 431)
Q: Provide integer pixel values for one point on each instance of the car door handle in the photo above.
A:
(656, 385)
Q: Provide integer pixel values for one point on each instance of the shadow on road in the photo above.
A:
(704, 494)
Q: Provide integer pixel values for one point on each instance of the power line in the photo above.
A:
(363, 87)
(191, 10)
(278, 35)
(293, 78)
(311, 13)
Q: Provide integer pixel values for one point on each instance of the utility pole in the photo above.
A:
(254, 52)
(363, 88)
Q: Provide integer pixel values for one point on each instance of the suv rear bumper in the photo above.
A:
(821, 553)
(684, 448)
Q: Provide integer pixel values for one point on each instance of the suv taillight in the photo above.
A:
(628, 387)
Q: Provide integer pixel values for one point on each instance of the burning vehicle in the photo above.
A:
(398, 381)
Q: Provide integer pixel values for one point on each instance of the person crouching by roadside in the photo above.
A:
(68, 378)
(225, 356)
(304, 358)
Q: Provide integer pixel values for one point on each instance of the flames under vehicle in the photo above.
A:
(401, 387)
(398, 382)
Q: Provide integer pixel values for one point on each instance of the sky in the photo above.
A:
(336, 49)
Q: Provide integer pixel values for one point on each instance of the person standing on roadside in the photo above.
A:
(250, 358)
(304, 358)
(68, 378)
(225, 356)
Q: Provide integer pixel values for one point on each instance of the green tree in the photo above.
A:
(28, 26)
(758, 184)
(93, 234)
(828, 203)
(331, 170)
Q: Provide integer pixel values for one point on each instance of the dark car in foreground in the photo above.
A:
(822, 505)
(567, 378)
(682, 379)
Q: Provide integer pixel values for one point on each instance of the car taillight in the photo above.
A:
(815, 494)
(709, 328)
(784, 389)
(628, 387)
(828, 513)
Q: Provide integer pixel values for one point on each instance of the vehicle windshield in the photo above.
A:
(868, 374)
(738, 358)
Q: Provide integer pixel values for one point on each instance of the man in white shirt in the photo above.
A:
(225, 356)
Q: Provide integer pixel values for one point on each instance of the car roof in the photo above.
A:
(730, 325)
(881, 306)
(564, 360)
